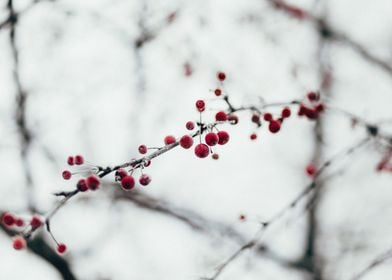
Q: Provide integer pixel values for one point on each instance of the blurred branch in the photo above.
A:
(196, 222)
(279, 215)
(25, 134)
(329, 33)
(382, 258)
(40, 248)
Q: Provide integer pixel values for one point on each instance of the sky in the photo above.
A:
(92, 90)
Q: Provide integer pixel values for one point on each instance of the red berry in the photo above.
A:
(221, 76)
(320, 108)
(147, 163)
(202, 150)
(144, 180)
(211, 139)
(312, 96)
(311, 114)
(286, 112)
(93, 182)
(142, 149)
(256, 118)
(127, 183)
(200, 105)
(82, 185)
(70, 160)
(35, 222)
(301, 110)
(224, 137)
(169, 140)
(215, 156)
(79, 160)
(253, 136)
(19, 243)
(61, 248)
(8, 219)
(120, 173)
(310, 170)
(19, 222)
(221, 116)
(267, 117)
(190, 125)
(274, 126)
(218, 92)
(233, 119)
(186, 141)
(188, 69)
(67, 175)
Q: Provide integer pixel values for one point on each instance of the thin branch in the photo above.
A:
(278, 216)
(328, 32)
(382, 258)
(43, 250)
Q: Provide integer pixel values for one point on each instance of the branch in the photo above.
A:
(278, 216)
(330, 33)
(40, 248)
(383, 257)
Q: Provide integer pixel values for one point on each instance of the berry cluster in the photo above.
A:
(209, 137)
(312, 108)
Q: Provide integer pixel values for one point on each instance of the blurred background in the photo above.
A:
(101, 77)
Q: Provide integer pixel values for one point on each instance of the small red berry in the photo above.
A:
(253, 136)
(301, 110)
(19, 243)
(190, 125)
(311, 170)
(19, 222)
(211, 139)
(256, 118)
(61, 248)
(218, 92)
(312, 96)
(274, 126)
(267, 117)
(286, 112)
(8, 219)
(215, 156)
(312, 114)
(188, 69)
(35, 222)
(81, 185)
(147, 163)
(202, 150)
(242, 217)
(142, 149)
(93, 182)
(70, 160)
(200, 105)
(320, 108)
(127, 183)
(120, 173)
(144, 180)
(186, 141)
(170, 139)
(67, 175)
(221, 76)
(224, 137)
(79, 160)
(221, 116)
(233, 119)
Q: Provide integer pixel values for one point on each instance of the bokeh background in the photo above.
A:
(100, 77)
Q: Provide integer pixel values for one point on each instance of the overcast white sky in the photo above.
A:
(90, 91)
